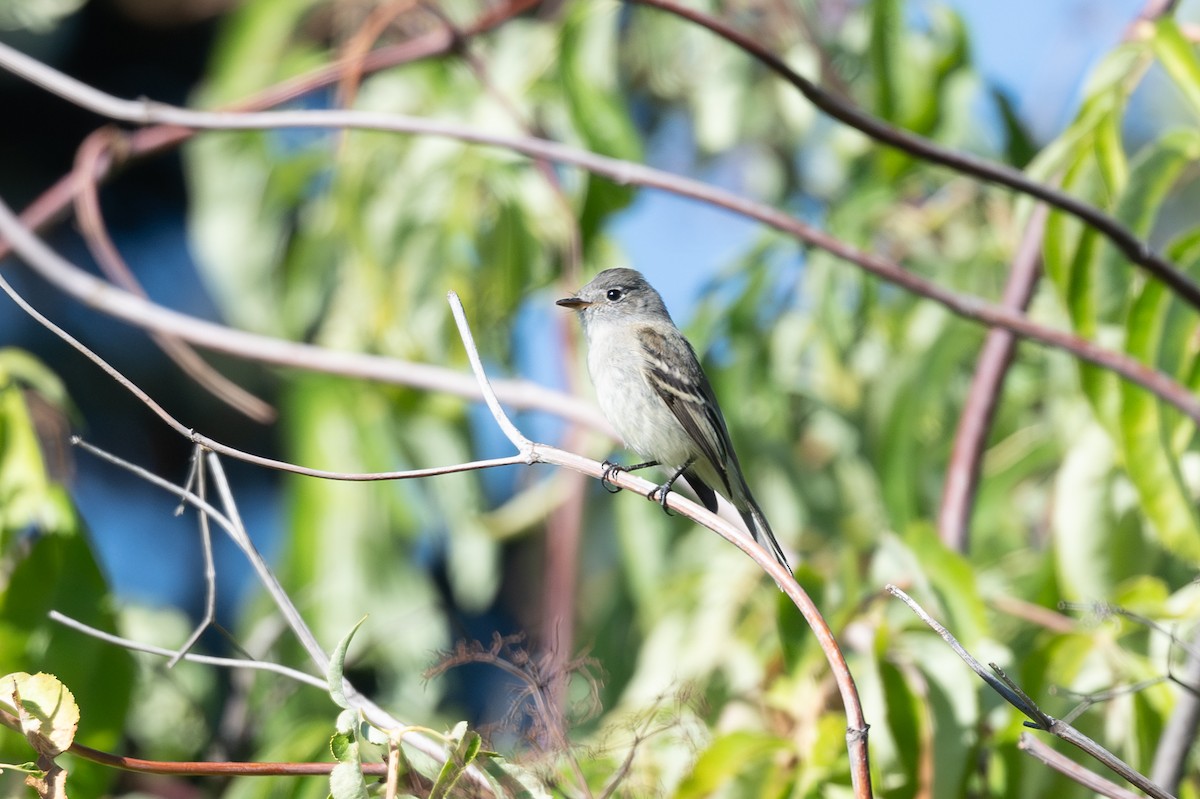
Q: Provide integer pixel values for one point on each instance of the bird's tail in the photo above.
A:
(757, 522)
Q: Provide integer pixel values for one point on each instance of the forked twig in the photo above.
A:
(1012, 693)
(190, 657)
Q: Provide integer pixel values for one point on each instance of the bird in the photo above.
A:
(653, 391)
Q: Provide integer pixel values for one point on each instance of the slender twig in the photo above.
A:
(1039, 750)
(145, 314)
(518, 439)
(979, 408)
(210, 568)
(1091, 699)
(190, 657)
(1136, 250)
(225, 449)
(230, 522)
(146, 142)
(1104, 610)
(1012, 693)
(1179, 736)
(95, 235)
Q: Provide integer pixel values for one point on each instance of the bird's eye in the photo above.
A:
(615, 294)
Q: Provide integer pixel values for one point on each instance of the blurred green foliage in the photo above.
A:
(842, 392)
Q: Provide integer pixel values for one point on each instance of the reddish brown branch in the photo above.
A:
(88, 160)
(1136, 250)
(966, 460)
(198, 768)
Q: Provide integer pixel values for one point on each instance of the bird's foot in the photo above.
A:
(659, 495)
(610, 469)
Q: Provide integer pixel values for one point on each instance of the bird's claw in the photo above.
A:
(659, 495)
(610, 469)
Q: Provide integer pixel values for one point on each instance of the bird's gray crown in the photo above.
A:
(618, 293)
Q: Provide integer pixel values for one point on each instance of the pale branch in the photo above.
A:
(145, 142)
(230, 522)
(518, 439)
(224, 449)
(1125, 240)
(1038, 749)
(122, 305)
(210, 568)
(142, 313)
(1179, 735)
(856, 733)
(190, 657)
(1012, 693)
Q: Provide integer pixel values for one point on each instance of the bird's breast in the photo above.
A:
(617, 365)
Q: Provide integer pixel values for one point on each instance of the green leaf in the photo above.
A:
(58, 572)
(1178, 58)
(337, 664)
(45, 707)
(598, 112)
(346, 781)
(1146, 448)
(795, 637)
(728, 757)
(886, 57)
(460, 759)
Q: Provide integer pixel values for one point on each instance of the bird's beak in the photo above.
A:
(574, 303)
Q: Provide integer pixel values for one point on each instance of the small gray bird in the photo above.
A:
(653, 391)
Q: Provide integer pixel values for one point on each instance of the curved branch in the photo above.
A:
(88, 160)
(856, 723)
(1136, 250)
(120, 304)
(55, 200)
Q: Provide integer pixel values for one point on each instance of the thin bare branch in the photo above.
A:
(1038, 749)
(230, 522)
(1179, 736)
(95, 234)
(505, 424)
(140, 312)
(225, 449)
(53, 202)
(1012, 693)
(191, 657)
(198, 768)
(210, 568)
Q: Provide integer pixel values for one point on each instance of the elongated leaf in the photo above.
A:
(337, 663)
(1178, 59)
(460, 759)
(1148, 455)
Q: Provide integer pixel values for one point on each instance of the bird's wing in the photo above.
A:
(682, 385)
